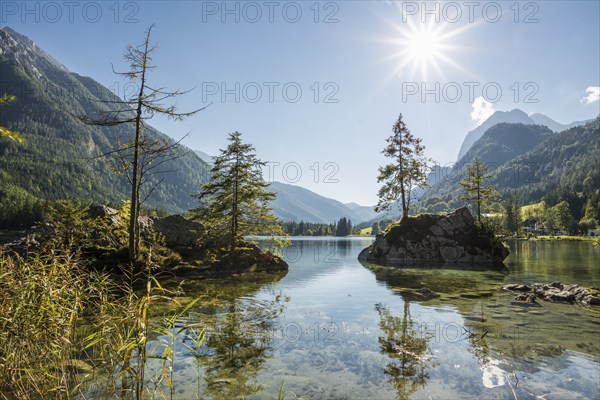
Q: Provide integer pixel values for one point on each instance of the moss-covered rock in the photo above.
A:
(447, 238)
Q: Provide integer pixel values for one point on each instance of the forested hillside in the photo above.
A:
(563, 167)
(61, 156)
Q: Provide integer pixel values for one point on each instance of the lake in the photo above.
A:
(332, 328)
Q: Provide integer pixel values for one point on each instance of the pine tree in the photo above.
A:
(236, 201)
(474, 185)
(407, 171)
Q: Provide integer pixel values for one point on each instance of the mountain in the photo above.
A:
(542, 119)
(364, 213)
(503, 142)
(500, 144)
(205, 157)
(294, 203)
(566, 161)
(62, 157)
(514, 116)
(530, 159)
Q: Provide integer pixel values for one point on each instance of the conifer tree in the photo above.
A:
(474, 185)
(407, 171)
(236, 202)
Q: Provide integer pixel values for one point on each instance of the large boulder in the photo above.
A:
(445, 238)
(178, 231)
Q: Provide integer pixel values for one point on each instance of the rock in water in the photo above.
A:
(446, 238)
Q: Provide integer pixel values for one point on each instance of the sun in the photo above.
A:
(424, 47)
(424, 50)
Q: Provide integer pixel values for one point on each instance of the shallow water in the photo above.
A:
(332, 328)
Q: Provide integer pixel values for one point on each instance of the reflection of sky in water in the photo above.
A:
(345, 332)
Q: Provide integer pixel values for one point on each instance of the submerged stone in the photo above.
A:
(556, 292)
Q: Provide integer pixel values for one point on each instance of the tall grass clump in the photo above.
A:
(70, 330)
(41, 300)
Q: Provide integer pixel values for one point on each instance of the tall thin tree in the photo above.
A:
(408, 169)
(477, 191)
(140, 156)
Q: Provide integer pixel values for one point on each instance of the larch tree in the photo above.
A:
(407, 170)
(474, 184)
(236, 202)
(139, 157)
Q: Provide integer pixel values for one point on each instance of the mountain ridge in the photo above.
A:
(295, 203)
(61, 156)
(513, 116)
(543, 163)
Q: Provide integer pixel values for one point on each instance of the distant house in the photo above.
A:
(593, 232)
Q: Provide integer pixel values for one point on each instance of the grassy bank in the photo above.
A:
(68, 332)
(563, 238)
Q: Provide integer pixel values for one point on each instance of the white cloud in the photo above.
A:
(482, 110)
(593, 94)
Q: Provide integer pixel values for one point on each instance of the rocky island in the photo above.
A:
(437, 238)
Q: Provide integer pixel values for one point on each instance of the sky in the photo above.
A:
(317, 86)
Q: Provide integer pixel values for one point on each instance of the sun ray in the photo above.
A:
(425, 51)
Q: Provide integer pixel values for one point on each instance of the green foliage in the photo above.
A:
(550, 167)
(375, 229)
(512, 212)
(302, 228)
(5, 132)
(41, 301)
(408, 169)
(561, 216)
(19, 209)
(474, 185)
(236, 202)
(343, 227)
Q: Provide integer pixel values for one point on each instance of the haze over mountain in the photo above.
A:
(556, 127)
(513, 116)
(295, 203)
(204, 157)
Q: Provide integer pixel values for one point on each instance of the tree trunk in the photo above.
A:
(234, 219)
(135, 190)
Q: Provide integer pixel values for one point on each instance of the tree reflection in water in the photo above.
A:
(408, 349)
(239, 331)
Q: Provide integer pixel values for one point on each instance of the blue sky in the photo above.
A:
(357, 64)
